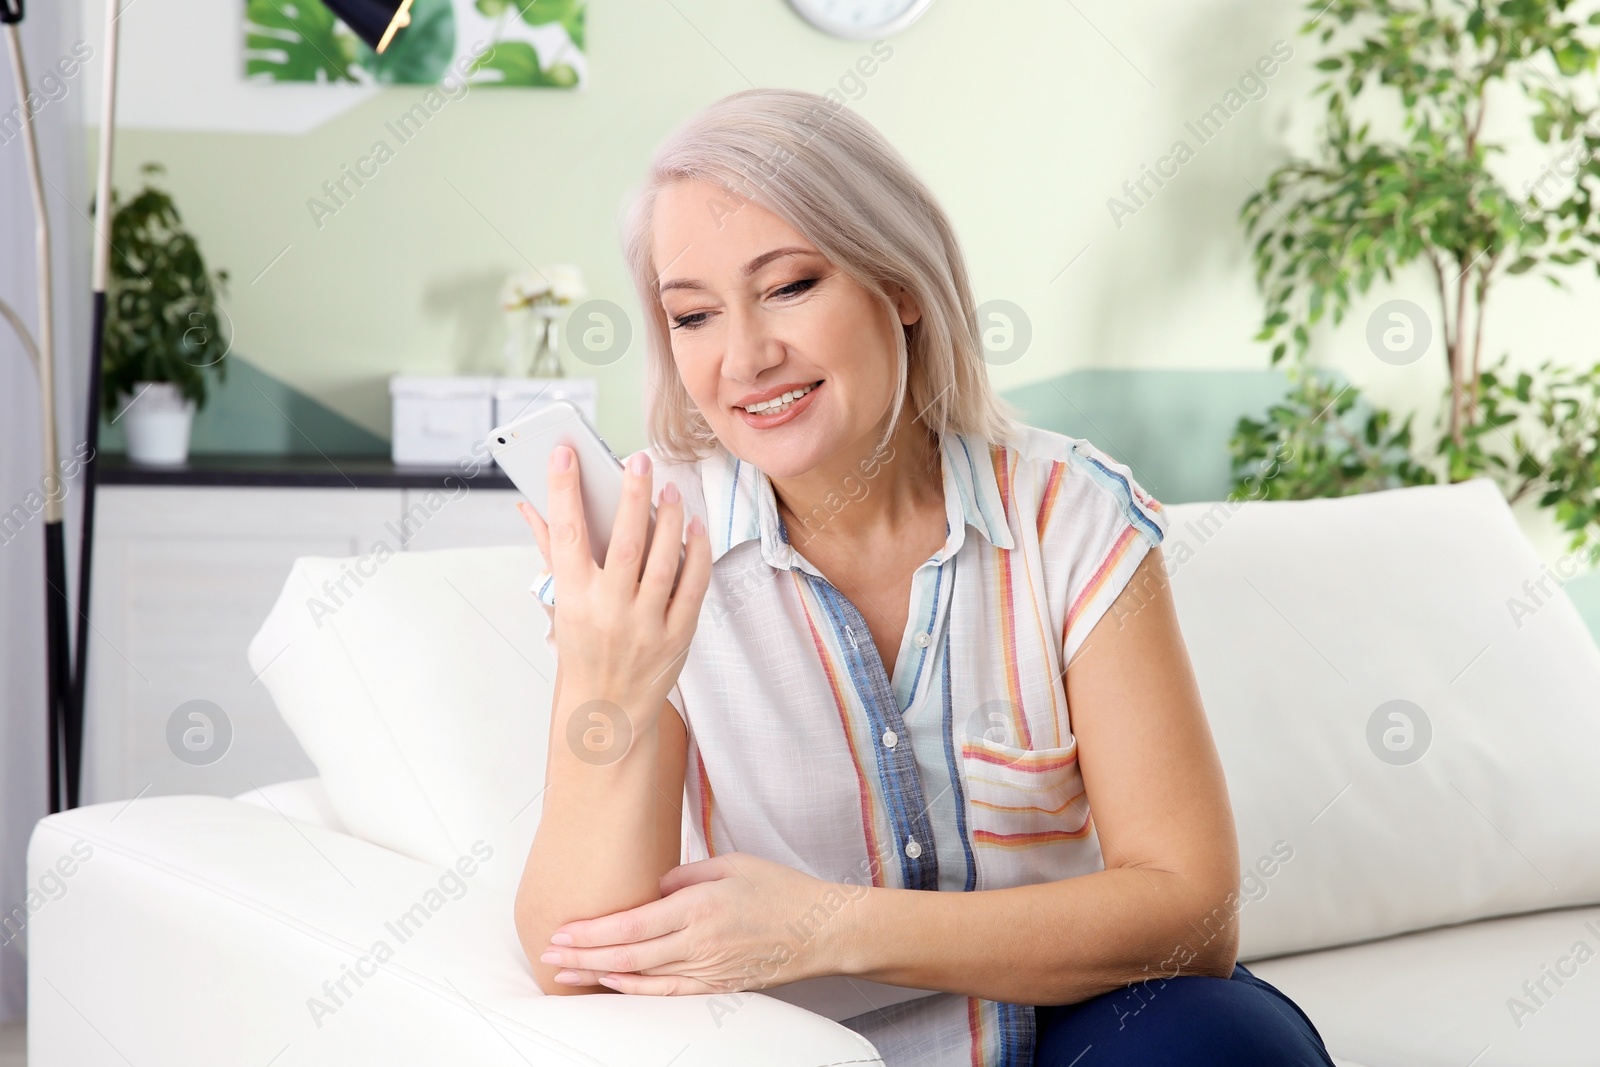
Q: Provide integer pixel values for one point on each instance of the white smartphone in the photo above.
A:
(522, 449)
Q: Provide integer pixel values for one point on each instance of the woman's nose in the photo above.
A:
(751, 348)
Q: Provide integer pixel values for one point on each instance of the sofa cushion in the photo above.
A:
(420, 686)
(1408, 723)
(1497, 993)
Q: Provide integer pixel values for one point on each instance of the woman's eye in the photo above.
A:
(696, 319)
(795, 288)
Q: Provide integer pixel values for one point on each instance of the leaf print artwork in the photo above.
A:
(537, 44)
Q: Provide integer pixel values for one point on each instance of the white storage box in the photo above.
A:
(437, 420)
(515, 397)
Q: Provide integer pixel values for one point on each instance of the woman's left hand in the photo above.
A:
(729, 923)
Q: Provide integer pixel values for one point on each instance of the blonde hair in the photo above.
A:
(833, 177)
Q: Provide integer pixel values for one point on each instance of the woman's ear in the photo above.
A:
(907, 307)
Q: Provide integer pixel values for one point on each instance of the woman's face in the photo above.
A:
(754, 312)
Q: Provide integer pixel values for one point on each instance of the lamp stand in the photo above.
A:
(91, 421)
(58, 666)
(64, 685)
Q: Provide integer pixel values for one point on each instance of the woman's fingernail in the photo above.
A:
(567, 976)
(561, 939)
(669, 493)
(639, 463)
(696, 527)
(560, 458)
(608, 981)
(550, 957)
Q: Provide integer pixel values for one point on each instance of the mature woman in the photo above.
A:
(891, 595)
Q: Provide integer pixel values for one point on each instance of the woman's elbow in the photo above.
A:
(533, 932)
(1214, 929)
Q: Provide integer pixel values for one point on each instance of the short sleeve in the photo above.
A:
(544, 587)
(1108, 527)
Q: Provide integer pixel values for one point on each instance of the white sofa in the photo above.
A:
(1407, 904)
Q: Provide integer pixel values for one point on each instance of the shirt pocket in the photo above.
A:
(1027, 813)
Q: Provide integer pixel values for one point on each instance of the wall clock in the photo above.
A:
(862, 20)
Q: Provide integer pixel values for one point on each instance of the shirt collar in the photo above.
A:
(741, 505)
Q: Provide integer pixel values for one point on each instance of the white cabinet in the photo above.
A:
(184, 576)
(465, 517)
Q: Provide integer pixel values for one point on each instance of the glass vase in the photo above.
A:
(533, 345)
(546, 361)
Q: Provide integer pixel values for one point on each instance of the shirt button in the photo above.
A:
(921, 640)
(890, 738)
(913, 849)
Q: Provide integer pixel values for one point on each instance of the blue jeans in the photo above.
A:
(1190, 1020)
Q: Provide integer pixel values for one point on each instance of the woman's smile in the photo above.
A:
(785, 407)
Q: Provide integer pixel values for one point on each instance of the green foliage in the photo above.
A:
(1326, 229)
(306, 35)
(1539, 433)
(518, 64)
(1366, 207)
(517, 61)
(1321, 440)
(573, 22)
(569, 13)
(304, 42)
(162, 318)
(420, 55)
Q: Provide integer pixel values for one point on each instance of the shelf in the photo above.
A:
(305, 472)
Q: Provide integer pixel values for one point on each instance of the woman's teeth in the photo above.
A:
(779, 403)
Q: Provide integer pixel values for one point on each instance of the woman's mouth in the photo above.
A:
(780, 409)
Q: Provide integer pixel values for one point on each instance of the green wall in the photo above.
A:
(1024, 119)
(1030, 121)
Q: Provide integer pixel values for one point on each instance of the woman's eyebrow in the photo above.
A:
(744, 272)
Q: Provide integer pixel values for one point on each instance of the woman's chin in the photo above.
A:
(785, 456)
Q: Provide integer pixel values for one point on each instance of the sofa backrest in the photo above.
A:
(1406, 706)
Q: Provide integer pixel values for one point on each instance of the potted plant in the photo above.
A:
(163, 326)
(1367, 207)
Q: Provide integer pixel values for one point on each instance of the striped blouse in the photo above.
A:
(959, 772)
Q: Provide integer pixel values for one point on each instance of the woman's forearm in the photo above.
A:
(1051, 943)
(596, 850)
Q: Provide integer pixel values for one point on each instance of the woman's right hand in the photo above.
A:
(623, 634)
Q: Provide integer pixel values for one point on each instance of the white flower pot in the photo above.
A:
(156, 419)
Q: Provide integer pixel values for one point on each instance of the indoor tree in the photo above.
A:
(1370, 205)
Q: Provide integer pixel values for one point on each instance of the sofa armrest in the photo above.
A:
(300, 798)
(202, 930)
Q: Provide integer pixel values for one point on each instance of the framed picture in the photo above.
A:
(498, 42)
